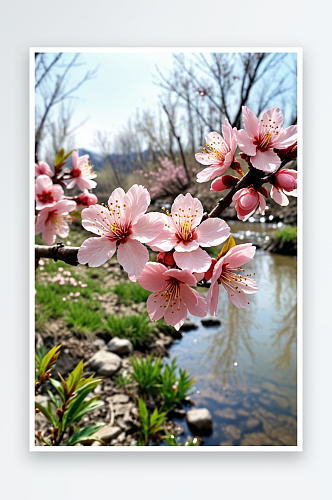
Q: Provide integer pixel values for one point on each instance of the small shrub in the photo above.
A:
(288, 233)
(150, 425)
(82, 318)
(138, 329)
(147, 373)
(174, 388)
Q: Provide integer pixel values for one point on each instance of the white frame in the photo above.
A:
(179, 449)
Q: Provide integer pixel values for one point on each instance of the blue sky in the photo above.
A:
(123, 83)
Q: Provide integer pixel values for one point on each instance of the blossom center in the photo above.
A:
(45, 197)
(229, 278)
(170, 294)
(84, 170)
(183, 222)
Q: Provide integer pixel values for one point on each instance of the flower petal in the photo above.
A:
(238, 256)
(197, 261)
(184, 276)
(286, 138)
(133, 256)
(194, 301)
(245, 142)
(96, 251)
(279, 197)
(262, 203)
(138, 201)
(210, 173)
(147, 227)
(155, 306)
(268, 161)
(250, 122)
(212, 232)
(176, 315)
(152, 278)
(237, 297)
(93, 219)
(187, 207)
(212, 298)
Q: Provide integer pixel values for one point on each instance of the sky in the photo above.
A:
(122, 84)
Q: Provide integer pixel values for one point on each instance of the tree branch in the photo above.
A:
(58, 252)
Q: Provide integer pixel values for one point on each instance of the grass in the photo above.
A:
(138, 329)
(83, 317)
(130, 293)
(122, 381)
(288, 233)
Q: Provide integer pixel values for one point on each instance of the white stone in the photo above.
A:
(199, 421)
(104, 363)
(120, 346)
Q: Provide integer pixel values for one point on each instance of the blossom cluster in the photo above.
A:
(125, 227)
(168, 179)
(52, 205)
(264, 145)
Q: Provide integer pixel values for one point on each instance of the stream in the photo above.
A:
(245, 369)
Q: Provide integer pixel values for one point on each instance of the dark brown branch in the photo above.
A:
(58, 252)
(253, 177)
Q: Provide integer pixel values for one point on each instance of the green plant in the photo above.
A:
(174, 389)
(82, 318)
(129, 293)
(138, 329)
(70, 406)
(288, 233)
(147, 373)
(122, 381)
(150, 425)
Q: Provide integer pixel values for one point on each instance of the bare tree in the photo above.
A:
(52, 89)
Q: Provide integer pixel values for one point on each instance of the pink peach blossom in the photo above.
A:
(82, 172)
(172, 295)
(47, 193)
(246, 202)
(41, 168)
(123, 224)
(284, 184)
(219, 153)
(259, 139)
(87, 199)
(225, 273)
(183, 232)
(53, 220)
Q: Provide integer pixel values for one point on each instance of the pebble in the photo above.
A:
(104, 363)
(120, 346)
(200, 421)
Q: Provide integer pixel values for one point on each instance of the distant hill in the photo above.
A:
(126, 163)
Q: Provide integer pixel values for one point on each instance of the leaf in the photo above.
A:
(58, 386)
(68, 154)
(44, 411)
(59, 157)
(75, 377)
(76, 404)
(84, 434)
(53, 399)
(44, 365)
(230, 243)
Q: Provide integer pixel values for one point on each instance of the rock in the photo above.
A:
(252, 422)
(233, 432)
(100, 343)
(188, 325)
(282, 402)
(120, 346)
(104, 363)
(200, 421)
(258, 439)
(227, 413)
(177, 413)
(107, 433)
(210, 322)
(265, 401)
(226, 443)
(119, 398)
(243, 413)
(255, 390)
(122, 437)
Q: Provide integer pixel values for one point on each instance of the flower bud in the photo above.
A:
(87, 199)
(174, 387)
(224, 182)
(166, 258)
(263, 191)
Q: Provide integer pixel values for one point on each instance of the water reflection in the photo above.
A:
(245, 369)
